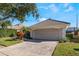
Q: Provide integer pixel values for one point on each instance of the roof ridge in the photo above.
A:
(51, 20)
(58, 21)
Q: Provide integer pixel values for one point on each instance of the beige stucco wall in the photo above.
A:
(48, 34)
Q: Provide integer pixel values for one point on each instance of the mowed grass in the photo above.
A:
(67, 49)
(8, 42)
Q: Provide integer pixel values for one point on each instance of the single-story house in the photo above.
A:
(17, 27)
(49, 30)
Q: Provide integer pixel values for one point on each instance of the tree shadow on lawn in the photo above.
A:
(76, 49)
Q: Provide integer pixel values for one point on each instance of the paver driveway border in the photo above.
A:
(29, 48)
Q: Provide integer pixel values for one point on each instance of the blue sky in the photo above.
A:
(58, 11)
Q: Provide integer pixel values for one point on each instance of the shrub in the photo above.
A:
(7, 32)
(27, 32)
(61, 41)
(64, 40)
(27, 35)
(69, 36)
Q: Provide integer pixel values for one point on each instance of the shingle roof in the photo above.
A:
(52, 20)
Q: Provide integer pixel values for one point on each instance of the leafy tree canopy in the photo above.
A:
(18, 11)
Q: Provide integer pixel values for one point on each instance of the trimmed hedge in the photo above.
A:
(7, 32)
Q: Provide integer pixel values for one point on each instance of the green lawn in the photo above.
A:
(67, 49)
(8, 42)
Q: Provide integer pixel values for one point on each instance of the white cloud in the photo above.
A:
(54, 8)
(70, 8)
(42, 19)
(66, 5)
(43, 7)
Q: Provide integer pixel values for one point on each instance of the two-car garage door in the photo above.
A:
(48, 34)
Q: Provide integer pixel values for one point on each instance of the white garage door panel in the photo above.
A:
(49, 34)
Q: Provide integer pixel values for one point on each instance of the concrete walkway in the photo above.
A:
(30, 48)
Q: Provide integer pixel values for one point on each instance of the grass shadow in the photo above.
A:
(10, 40)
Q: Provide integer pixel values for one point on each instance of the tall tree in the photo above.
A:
(18, 11)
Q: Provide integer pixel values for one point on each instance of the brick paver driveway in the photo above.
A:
(30, 48)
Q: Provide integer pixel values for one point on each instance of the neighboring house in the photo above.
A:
(49, 30)
(71, 30)
(16, 27)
